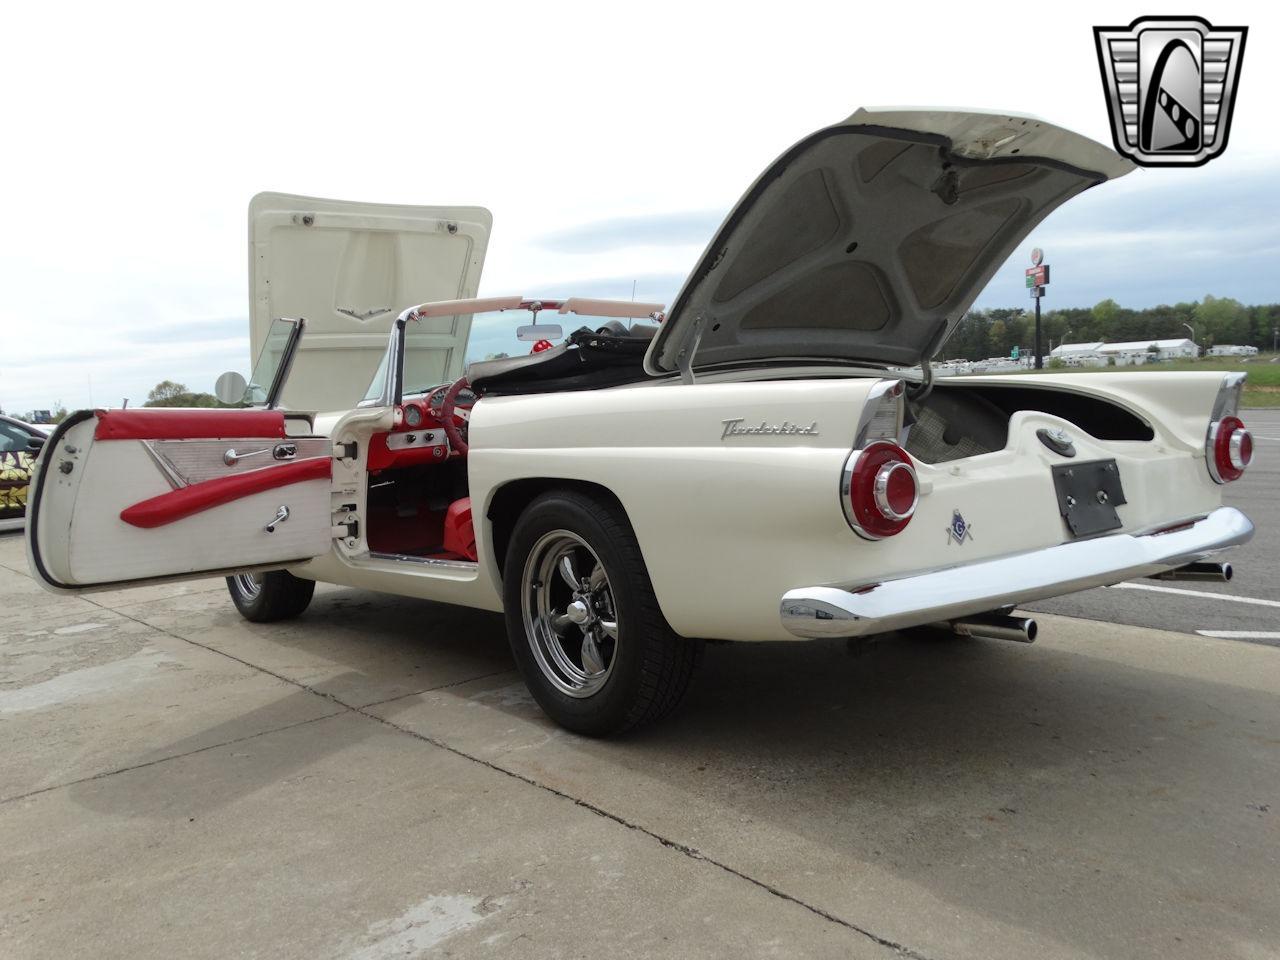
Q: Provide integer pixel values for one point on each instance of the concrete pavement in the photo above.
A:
(371, 781)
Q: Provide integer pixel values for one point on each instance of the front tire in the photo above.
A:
(268, 597)
(584, 624)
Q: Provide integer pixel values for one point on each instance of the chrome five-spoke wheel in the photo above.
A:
(249, 585)
(266, 597)
(584, 624)
(569, 613)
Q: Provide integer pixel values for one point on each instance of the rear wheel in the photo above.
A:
(267, 597)
(583, 621)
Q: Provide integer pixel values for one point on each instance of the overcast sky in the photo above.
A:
(608, 140)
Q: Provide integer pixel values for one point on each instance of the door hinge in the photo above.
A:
(348, 451)
(348, 529)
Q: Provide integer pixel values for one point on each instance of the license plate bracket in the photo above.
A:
(1088, 494)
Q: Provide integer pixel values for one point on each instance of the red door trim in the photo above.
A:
(159, 423)
(185, 501)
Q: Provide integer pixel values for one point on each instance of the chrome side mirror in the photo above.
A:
(230, 388)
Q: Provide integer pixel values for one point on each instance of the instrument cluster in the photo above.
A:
(416, 438)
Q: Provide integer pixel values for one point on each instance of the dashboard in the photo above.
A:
(418, 436)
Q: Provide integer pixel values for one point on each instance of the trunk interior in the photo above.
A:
(958, 420)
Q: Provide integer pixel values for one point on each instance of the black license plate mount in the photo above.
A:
(1088, 494)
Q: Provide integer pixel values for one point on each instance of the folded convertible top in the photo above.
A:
(587, 360)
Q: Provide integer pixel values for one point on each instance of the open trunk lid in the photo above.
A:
(868, 240)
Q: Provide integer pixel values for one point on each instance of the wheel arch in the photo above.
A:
(510, 500)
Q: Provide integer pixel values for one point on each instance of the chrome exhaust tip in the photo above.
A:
(1201, 570)
(994, 627)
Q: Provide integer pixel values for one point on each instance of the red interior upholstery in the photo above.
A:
(185, 501)
(459, 532)
(389, 532)
(159, 423)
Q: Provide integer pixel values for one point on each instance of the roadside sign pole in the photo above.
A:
(1039, 356)
(1037, 277)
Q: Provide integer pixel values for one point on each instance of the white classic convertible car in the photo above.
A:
(770, 459)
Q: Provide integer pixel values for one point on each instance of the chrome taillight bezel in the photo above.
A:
(889, 458)
(1218, 458)
(1239, 456)
(1225, 450)
(880, 489)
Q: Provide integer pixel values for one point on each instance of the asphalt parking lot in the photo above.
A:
(371, 781)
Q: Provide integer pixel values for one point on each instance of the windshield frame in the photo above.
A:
(281, 373)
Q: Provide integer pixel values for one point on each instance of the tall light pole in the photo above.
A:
(1193, 337)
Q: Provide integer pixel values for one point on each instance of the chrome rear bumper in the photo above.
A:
(990, 584)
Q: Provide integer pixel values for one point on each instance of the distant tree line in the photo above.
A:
(1216, 320)
(166, 393)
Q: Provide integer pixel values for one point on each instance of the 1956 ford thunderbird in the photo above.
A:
(770, 459)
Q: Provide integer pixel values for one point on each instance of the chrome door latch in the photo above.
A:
(281, 451)
(231, 458)
(281, 516)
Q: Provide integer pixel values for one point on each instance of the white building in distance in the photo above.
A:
(1132, 353)
(1232, 350)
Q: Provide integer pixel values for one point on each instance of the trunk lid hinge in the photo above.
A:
(684, 359)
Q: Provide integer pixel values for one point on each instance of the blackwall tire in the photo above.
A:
(597, 655)
(268, 597)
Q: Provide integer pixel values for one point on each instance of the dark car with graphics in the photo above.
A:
(19, 444)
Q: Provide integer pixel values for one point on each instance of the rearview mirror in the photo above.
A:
(534, 332)
(230, 388)
(35, 444)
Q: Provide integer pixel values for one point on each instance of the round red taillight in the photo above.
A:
(1231, 449)
(879, 490)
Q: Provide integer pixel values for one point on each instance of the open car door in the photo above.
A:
(126, 496)
(123, 497)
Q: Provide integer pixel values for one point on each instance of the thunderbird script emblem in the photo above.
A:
(1171, 86)
(735, 428)
(959, 530)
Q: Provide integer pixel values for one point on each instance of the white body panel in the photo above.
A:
(728, 526)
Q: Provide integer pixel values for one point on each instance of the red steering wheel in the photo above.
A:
(454, 420)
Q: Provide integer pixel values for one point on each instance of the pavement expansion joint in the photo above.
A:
(692, 852)
(177, 756)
